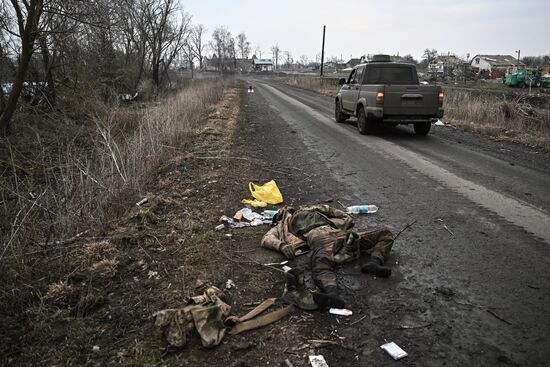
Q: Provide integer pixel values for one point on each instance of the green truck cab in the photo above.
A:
(384, 92)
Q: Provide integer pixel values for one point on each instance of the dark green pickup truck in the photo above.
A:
(385, 92)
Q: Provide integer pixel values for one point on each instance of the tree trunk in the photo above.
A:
(28, 36)
(51, 94)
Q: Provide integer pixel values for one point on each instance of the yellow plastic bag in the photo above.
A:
(268, 193)
(255, 203)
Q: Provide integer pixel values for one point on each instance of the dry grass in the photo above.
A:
(60, 176)
(97, 251)
(502, 117)
(309, 82)
(104, 269)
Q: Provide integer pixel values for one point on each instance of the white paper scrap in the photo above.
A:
(318, 361)
(341, 311)
(394, 351)
(286, 268)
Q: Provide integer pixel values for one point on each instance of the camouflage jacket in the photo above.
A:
(293, 230)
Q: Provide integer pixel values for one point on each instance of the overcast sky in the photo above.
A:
(358, 27)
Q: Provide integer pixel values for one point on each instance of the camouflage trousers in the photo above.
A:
(325, 242)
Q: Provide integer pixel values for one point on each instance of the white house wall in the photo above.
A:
(483, 65)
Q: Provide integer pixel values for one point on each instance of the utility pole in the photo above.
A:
(323, 50)
(518, 52)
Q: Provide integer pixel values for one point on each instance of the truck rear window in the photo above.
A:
(390, 74)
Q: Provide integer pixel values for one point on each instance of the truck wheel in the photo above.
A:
(422, 128)
(339, 116)
(363, 124)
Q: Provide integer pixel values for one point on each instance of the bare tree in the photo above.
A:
(28, 15)
(223, 46)
(288, 59)
(243, 46)
(166, 34)
(304, 60)
(258, 51)
(275, 51)
(197, 42)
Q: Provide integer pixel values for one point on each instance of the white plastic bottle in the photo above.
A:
(362, 209)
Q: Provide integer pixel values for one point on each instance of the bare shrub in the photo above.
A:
(54, 185)
(502, 116)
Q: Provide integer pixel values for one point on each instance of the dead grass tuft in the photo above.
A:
(97, 251)
(59, 289)
(104, 269)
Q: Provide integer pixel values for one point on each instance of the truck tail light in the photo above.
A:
(440, 97)
(380, 98)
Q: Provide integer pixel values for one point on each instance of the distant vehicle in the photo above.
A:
(384, 92)
(523, 78)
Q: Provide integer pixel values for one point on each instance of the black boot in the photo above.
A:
(295, 291)
(328, 298)
(374, 267)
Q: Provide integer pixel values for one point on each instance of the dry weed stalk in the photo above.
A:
(60, 176)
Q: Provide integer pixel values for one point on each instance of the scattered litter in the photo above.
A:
(286, 268)
(228, 235)
(301, 252)
(219, 227)
(245, 217)
(212, 181)
(142, 201)
(281, 263)
(250, 215)
(439, 123)
(238, 216)
(318, 361)
(269, 214)
(255, 203)
(340, 311)
(394, 350)
(95, 348)
(230, 284)
(267, 193)
(361, 209)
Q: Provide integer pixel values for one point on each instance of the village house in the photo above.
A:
(495, 66)
(262, 64)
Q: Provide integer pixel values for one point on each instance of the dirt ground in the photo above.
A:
(156, 255)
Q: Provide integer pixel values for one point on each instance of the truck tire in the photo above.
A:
(339, 116)
(364, 125)
(422, 128)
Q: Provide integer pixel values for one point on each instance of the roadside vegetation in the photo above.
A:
(95, 98)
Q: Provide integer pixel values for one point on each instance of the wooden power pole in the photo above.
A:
(323, 50)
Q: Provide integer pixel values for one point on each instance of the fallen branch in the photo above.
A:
(357, 321)
(498, 317)
(404, 229)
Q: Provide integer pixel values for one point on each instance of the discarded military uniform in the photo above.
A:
(209, 315)
(205, 313)
(328, 234)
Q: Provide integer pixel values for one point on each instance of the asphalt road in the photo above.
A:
(471, 276)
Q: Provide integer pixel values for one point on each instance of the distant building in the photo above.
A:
(444, 65)
(353, 62)
(262, 64)
(495, 66)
